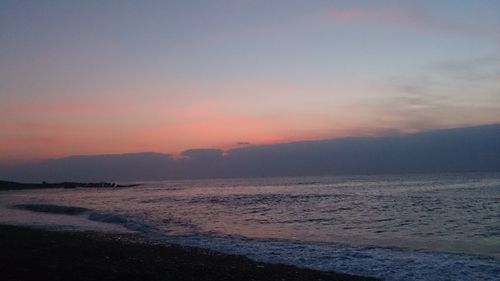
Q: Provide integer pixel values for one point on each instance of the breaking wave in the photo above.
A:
(53, 209)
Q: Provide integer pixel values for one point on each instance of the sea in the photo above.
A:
(394, 227)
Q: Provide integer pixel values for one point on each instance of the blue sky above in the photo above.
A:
(80, 77)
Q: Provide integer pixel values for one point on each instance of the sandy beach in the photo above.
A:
(33, 254)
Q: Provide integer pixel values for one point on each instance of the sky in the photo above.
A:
(97, 77)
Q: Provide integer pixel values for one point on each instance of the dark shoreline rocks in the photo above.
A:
(32, 254)
(7, 185)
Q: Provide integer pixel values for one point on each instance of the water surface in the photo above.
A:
(412, 227)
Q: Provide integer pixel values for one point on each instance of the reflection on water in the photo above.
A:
(444, 213)
(441, 212)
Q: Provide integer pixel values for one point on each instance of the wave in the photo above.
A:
(389, 264)
(386, 263)
(127, 222)
(53, 209)
(112, 218)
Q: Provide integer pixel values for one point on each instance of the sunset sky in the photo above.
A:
(94, 77)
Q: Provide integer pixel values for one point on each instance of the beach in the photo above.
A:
(378, 226)
(34, 254)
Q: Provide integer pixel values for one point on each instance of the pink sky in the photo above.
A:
(171, 76)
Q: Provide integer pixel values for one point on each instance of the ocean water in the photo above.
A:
(395, 227)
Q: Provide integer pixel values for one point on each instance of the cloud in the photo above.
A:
(460, 149)
(64, 107)
(474, 69)
(399, 16)
(202, 154)
(452, 93)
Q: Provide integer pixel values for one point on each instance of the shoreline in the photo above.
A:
(35, 254)
(9, 185)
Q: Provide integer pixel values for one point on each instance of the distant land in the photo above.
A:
(8, 185)
(470, 149)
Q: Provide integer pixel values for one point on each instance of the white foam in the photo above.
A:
(56, 221)
(385, 263)
(121, 220)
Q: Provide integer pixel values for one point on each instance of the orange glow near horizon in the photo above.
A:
(238, 73)
(241, 113)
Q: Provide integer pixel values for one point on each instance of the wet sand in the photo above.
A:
(33, 254)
